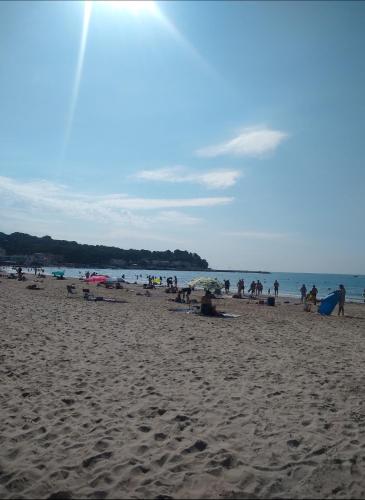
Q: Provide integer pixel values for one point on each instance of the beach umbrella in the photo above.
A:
(206, 283)
(97, 279)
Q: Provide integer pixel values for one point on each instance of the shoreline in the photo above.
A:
(284, 295)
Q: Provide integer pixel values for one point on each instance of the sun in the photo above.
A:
(135, 7)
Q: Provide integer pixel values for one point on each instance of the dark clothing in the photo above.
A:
(207, 309)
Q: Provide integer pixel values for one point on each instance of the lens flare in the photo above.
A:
(79, 69)
(135, 7)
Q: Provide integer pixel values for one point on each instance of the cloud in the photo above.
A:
(214, 179)
(260, 235)
(118, 208)
(253, 141)
(176, 217)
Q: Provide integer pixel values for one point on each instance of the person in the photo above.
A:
(186, 291)
(175, 281)
(313, 293)
(308, 299)
(252, 288)
(227, 284)
(364, 294)
(240, 287)
(207, 307)
(276, 288)
(259, 287)
(303, 292)
(87, 275)
(341, 300)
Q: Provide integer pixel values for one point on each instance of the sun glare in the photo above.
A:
(135, 7)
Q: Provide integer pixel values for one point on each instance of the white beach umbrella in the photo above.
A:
(206, 283)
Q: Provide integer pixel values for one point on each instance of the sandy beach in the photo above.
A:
(133, 400)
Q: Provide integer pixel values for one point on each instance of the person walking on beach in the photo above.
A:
(276, 288)
(341, 300)
(314, 292)
(252, 288)
(303, 292)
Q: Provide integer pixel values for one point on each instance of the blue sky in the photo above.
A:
(232, 129)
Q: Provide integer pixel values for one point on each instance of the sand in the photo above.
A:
(132, 400)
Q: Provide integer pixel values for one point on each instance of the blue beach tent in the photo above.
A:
(58, 274)
(329, 303)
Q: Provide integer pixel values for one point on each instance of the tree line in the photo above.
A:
(71, 252)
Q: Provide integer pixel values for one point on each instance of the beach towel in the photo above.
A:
(220, 315)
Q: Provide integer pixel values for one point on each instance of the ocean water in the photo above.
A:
(290, 283)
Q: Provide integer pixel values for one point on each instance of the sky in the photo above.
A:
(230, 129)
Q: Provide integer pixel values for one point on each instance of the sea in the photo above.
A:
(290, 283)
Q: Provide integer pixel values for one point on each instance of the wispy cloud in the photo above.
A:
(118, 208)
(259, 235)
(176, 217)
(213, 179)
(252, 141)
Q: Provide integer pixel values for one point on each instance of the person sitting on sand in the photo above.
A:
(207, 307)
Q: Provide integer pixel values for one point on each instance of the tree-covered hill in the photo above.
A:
(31, 250)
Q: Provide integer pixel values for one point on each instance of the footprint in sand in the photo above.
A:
(92, 460)
(199, 445)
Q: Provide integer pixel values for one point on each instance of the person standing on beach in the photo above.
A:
(314, 292)
(341, 300)
(227, 284)
(303, 292)
(276, 288)
(252, 288)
